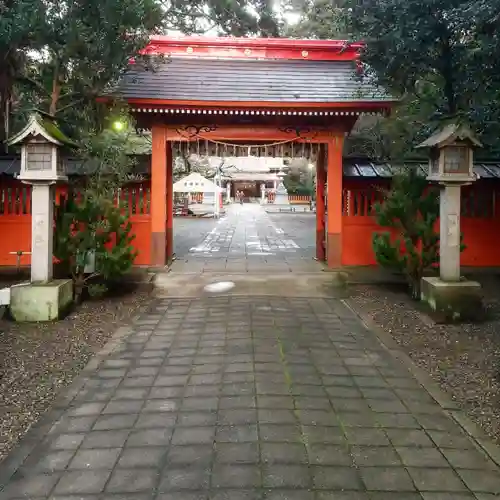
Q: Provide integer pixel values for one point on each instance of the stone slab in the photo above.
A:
(32, 302)
(453, 301)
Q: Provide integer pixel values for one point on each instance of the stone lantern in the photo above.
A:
(451, 166)
(42, 166)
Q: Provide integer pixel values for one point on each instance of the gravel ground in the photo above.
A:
(463, 358)
(38, 360)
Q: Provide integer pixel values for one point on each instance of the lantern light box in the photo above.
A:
(451, 154)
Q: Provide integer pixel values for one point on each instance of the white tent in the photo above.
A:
(196, 183)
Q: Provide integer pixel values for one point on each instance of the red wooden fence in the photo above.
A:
(15, 220)
(480, 223)
(294, 199)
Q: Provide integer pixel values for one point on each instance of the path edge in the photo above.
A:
(444, 400)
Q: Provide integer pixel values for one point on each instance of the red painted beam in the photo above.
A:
(254, 48)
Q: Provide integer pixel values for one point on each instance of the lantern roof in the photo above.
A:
(44, 125)
(448, 135)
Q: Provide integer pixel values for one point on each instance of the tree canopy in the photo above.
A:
(440, 57)
(58, 56)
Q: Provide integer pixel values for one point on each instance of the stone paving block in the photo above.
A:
(105, 439)
(286, 453)
(82, 482)
(51, 462)
(289, 495)
(86, 409)
(77, 424)
(366, 436)
(68, 441)
(481, 481)
(95, 459)
(329, 454)
(132, 480)
(155, 420)
(150, 456)
(237, 416)
(150, 437)
(236, 433)
(36, 485)
(200, 404)
(346, 495)
(436, 479)
(113, 422)
(232, 494)
(468, 459)
(449, 496)
(193, 435)
(455, 440)
(199, 455)
(273, 416)
(123, 407)
(236, 453)
(175, 479)
(409, 437)
(386, 479)
(286, 476)
(236, 476)
(196, 418)
(138, 381)
(375, 456)
(336, 478)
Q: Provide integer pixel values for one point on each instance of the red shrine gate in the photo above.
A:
(243, 96)
(263, 97)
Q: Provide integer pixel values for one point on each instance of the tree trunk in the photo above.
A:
(54, 96)
(5, 96)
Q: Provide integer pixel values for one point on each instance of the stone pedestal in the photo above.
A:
(453, 301)
(281, 198)
(41, 301)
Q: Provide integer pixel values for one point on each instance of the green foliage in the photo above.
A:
(440, 56)
(411, 209)
(59, 56)
(91, 223)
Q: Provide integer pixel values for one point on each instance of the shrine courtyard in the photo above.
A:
(274, 389)
(255, 396)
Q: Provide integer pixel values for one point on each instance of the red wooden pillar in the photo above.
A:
(159, 195)
(170, 204)
(320, 204)
(334, 196)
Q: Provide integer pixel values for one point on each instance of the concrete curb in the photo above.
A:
(448, 405)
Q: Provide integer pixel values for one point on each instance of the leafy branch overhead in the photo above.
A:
(59, 56)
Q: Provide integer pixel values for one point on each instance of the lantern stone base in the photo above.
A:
(32, 302)
(453, 301)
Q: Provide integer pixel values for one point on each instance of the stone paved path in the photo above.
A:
(231, 398)
(248, 239)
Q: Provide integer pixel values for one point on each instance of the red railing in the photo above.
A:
(480, 224)
(15, 219)
(294, 199)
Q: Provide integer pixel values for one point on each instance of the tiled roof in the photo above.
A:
(249, 80)
(352, 168)
(365, 168)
